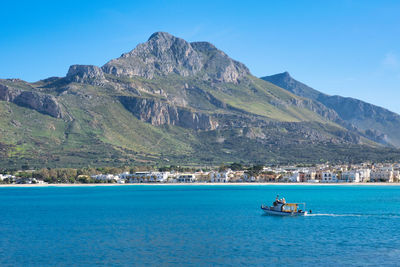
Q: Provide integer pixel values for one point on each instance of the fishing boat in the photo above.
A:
(281, 208)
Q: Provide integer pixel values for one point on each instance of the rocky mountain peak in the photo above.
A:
(204, 46)
(161, 35)
(283, 77)
(88, 74)
(287, 82)
(164, 54)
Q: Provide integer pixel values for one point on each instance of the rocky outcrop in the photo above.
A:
(219, 66)
(43, 103)
(164, 54)
(46, 104)
(317, 107)
(377, 136)
(160, 113)
(8, 94)
(88, 74)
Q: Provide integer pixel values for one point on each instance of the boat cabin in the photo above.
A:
(286, 207)
(290, 207)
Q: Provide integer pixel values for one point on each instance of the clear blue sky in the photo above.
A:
(350, 48)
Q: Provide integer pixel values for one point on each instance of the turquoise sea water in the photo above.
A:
(198, 226)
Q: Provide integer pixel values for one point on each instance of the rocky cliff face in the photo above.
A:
(88, 74)
(43, 103)
(8, 94)
(219, 66)
(352, 109)
(318, 108)
(160, 113)
(163, 54)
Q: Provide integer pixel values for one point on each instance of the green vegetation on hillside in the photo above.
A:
(190, 104)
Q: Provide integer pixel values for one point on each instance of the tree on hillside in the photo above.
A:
(236, 166)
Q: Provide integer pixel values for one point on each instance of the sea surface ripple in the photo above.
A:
(198, 226)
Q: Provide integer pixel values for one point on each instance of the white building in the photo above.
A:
(329, 177)
(5, 176)
(351, 177)
(161, 176)
(365, 174)
(143, 177)
(105, 177)
(294, 177)
(384, 174)
(125, 175)
(186, 178)
(219, 177)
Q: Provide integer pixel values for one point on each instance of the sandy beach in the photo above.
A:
(201, 184)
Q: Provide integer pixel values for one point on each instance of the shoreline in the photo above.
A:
(198, 184)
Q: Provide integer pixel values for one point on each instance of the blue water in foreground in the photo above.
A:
(198, 226)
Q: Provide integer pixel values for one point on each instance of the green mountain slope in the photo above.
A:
(169, 102)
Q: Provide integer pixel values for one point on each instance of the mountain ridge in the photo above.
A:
(371, 119)
(170, 101)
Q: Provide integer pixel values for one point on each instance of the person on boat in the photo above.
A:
(283, 200)
(276, 200)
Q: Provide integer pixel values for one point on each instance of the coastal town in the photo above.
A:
(316, 174)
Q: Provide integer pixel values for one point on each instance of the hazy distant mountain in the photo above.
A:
(171, 101)
(375, 122)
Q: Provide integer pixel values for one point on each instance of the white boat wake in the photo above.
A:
(383, 216)
(334, 215)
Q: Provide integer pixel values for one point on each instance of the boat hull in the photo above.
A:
(282, 213)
